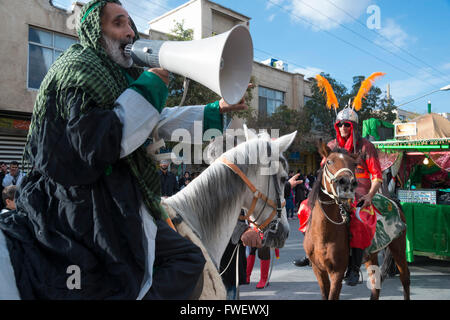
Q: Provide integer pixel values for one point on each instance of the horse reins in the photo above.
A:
(277, 207)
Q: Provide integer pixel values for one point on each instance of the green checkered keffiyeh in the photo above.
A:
(86, 68)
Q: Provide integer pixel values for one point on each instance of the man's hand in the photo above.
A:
(251, 238)
(294, 182)
(225, 107)
(163, 74)
(376, 184)
(367, 200)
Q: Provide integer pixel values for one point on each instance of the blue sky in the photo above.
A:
(410, 41)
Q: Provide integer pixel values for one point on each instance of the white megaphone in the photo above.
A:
(222, 63)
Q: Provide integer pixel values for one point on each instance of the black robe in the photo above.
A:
(79, 206)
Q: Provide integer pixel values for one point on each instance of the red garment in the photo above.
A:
(368, 169)
(347, 144)
(362, 232)
(303, 215)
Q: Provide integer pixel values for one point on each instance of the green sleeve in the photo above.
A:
(212, 118)
(152, 88)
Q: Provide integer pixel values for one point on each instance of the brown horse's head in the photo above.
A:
(338, 178)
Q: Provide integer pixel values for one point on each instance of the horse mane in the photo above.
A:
(214, 183)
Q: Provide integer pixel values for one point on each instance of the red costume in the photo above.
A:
(367, 170)
(362, 221)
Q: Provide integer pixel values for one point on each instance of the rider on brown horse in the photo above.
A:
(368, 176)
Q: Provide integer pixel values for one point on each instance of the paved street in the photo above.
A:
(430, 279)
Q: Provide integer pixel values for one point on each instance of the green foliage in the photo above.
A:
(321, 118)
(386, 108)
(373, 106)
(179, 33)
(285, 120)
(315, 120)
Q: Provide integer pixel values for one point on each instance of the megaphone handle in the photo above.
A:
(185, 90)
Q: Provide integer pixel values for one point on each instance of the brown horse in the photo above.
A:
(327, 241)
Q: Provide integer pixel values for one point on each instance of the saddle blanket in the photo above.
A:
(389, 223)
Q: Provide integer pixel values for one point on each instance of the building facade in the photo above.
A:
(37, 33)
(40, 31)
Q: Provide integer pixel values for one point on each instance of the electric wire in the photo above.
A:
(387, 39)
(351, 44)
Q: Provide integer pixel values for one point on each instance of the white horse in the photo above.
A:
(247, 176)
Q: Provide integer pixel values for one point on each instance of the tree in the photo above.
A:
(386, 109)
(285, 120)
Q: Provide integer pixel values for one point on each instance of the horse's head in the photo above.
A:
(265, 177)
(338, 178)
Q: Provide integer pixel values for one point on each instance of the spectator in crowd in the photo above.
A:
(181, 181)
(8, 196)
(169, 185)
(3, 173)
(300, 191)
(243, 235)
(290, 198)
(186, 182)
(14, 177)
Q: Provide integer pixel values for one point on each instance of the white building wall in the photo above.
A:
(203, 16)
(14, 24)
(190, 13)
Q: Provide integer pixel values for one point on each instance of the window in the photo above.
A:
(306, 99)
(43, 49)
(269, 100)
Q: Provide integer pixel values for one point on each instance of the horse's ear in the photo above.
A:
(249, 133)
(285, 141)
(323, 149)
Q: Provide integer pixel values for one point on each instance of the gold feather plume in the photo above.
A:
(364, 89)
(324, 85)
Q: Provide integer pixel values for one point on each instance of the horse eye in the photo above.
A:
(329, 162)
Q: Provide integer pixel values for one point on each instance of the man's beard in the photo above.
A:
(115, 50)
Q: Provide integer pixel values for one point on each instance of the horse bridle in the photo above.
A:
(277, 207)
(331, 178)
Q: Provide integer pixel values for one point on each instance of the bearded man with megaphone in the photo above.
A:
(91, 202)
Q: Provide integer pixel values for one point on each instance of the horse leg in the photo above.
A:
(374, 276)
(398, 250)
(323, 280)
(336, 285)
